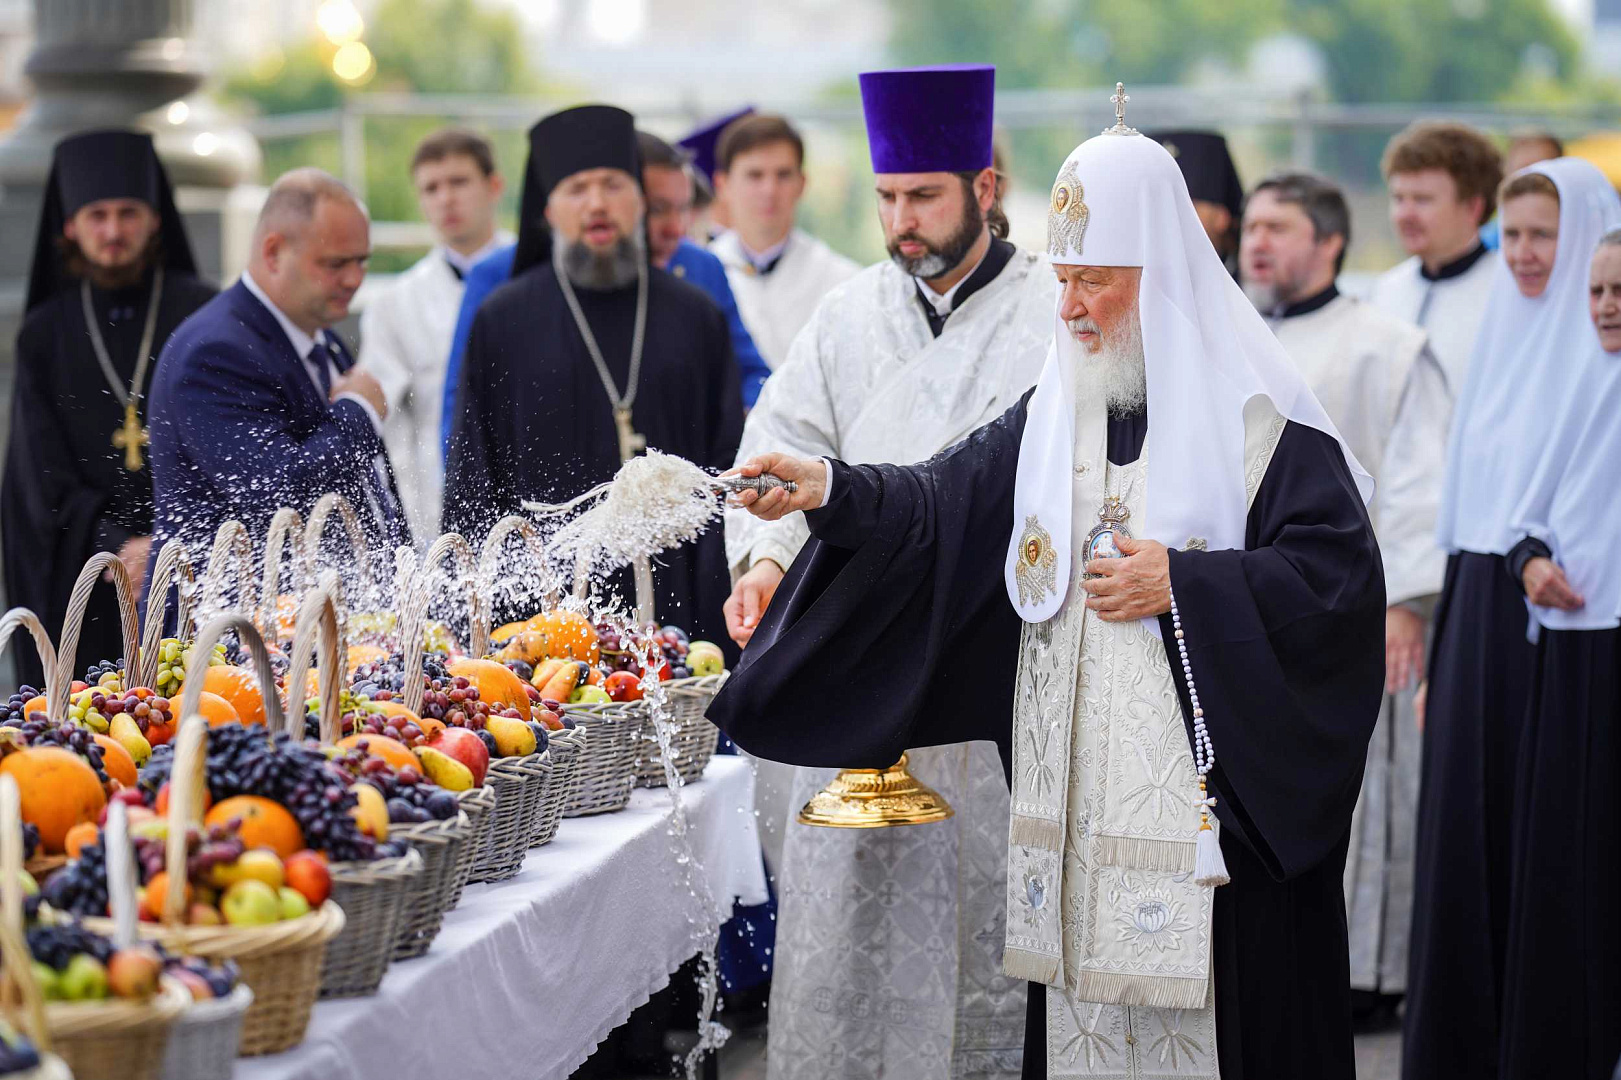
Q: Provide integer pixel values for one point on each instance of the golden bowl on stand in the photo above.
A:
(875, 799)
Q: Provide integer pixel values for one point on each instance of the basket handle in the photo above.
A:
(454, 544)
(318, 628)
(413, 624)
(121, 878)
(73, 623)
(173, 568)
(16, 965)
(232, 550)
(248, 636)
(286, 532)
(490, 556)
(315, 530)
(22, 617)
(186, 787)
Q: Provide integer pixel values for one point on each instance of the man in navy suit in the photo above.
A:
(255, 405)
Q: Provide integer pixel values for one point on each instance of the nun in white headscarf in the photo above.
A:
(1154, 583)
(1534, 358)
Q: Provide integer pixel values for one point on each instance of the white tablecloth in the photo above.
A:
(528, 975)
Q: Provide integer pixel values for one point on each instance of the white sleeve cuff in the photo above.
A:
(827, 482)
(371, 413)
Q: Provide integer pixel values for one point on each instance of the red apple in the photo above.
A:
(465, 747)
(623, 686)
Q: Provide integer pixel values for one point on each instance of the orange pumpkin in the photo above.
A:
(391, 750)
(240, 688)
(569, 635)
(59, 790)
(497, 684)
(265, 823)
(118, 762)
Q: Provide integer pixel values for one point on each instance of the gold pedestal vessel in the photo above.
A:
(875, 799)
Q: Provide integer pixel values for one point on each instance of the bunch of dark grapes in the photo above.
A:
(373, 679)
(241, 761)
(30, 840)
(221, 978)
(56, 945)
(80, 887)
(38, 732)
(11, 710)
(108, 675)
(219, 846)
(411, 798)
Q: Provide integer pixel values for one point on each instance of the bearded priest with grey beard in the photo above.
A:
(589, 355)
(1187, 615)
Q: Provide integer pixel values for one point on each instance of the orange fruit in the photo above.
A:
(152, 895)
(35, 704)
(59, 790)
(391, 750)
(265, 823)
(365, 654)
(240, 688)
(502, 634)
(161, 806)
(568, 634)
(429, 725)
(116, 760)
(85, 832)
(497, 684)
(216, 710)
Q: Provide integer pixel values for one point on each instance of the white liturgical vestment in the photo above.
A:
(776, 304)
(1448, 307)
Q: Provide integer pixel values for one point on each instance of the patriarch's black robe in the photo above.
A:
(533, 421)
(66, 493)
(893, 629)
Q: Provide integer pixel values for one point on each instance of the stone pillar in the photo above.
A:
(117, 63)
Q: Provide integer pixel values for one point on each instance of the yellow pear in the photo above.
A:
(445, 770)
(127, 732)
(513, 738)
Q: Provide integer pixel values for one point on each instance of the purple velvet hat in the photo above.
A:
(702, 142)
(930, 119)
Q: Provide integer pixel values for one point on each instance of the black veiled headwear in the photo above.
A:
(103, 165)
(564, 143)
(1207, 166)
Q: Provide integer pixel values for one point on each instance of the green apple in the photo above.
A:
(293, 904)
(30, 886)
(84, 979)
(250, 903)
(589, 695)
(49, 981)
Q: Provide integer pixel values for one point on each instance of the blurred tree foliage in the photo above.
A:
(420, 46)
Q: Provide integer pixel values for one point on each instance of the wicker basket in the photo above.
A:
(204, 1041)
(98, 1040)
(477, 804)
(694, 739)
(281, 962)
(440, 843)
(605, 771)
(565, 748)
(520, 789)
(373, 896)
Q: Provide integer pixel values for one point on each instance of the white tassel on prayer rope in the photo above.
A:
(1209, 868)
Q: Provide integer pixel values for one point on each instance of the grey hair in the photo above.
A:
(292, 200)
(1320, 198)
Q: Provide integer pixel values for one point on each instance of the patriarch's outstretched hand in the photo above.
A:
(809, 474)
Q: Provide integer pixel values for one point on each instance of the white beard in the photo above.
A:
(1117, 372)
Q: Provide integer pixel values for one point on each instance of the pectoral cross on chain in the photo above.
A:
(630, 442)
(131, 437)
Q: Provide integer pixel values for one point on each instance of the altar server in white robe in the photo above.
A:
(778, 271)
(1442, 179)
(898, 363)
(1382, 386)
(405, 332)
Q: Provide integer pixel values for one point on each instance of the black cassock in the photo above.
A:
(1562, 972)
(66, 493)
(1479, 687)
(893, 629)
(534, 421)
